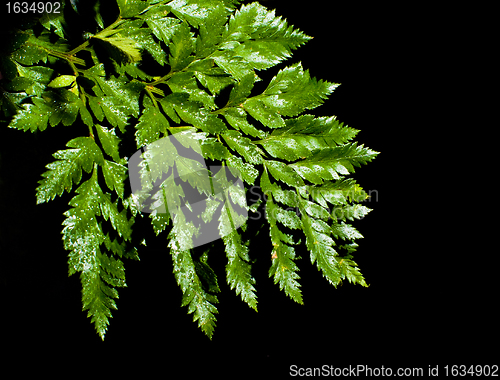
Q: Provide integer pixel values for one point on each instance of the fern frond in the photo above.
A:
(68, 169)
(82, 236)
(200, 303)
(305, 135)
(283, 267)
(238, 269)
(263, 40)
(174, 115)
(330, 163)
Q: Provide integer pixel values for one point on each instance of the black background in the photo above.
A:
(429, 300)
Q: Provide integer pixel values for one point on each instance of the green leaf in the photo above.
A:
(168, 102)
(214, 149)
(231, 63)
(339, 192)
(267, 115)
(345, 231)
(115, 176)
(159, 221)
(242, 89)
(189, 138)
(32, 117)
(17, 38)
(350, 212)
(254, 20)
(164, 28)
(20, 84)
(130, 8)
(134, 71)
(115, 114)
(118, 220)
(265, 39)
(10, 103)
(200, 303)
(237, 118)
(181, 48)
(111, 108)
(30, 53)
(50, 20)
(320, 246)
(97, 297)
(158, 158)
(109, 142)
(82, 235)
(329, 163)
(212, 204)
(286, 197)
(211, 31)
(151, 125)
(123, 93)
(196, 12)
(37, 78)
(238, 269)
(243, 146)
(247, 171)
(349, 269)
(283, 267)
(155, 12)
(287, 217)
(95, 105)
(211, 77)
(229, 219)
(304, 135)
(62, 81)
(143, 40)
(198, 117)
(186, 82)
(114, 271)
(194, 173)
(55, 107)
(285, 270)
(127, 47)
(206, 274)
(90, 151)
(65, 106)
(284, 173)
(68, 168)
(292, 91)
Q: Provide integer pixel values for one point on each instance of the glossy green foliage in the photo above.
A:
(300, 162)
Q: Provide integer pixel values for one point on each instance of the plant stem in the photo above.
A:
(104, 31)
(81, 47)
(162, 79)
(150, 93)
(67, 56)
(70, 56)
(156, 90)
